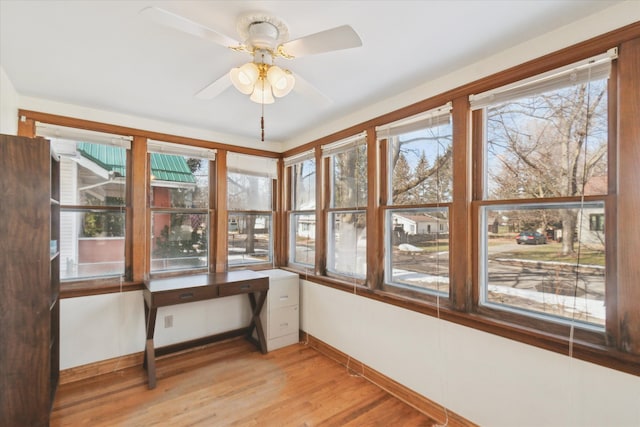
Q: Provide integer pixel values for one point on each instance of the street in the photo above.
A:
(548, 287)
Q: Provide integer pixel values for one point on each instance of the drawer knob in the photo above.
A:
(186, 295)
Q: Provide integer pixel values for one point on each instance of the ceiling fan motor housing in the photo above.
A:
(263, 35)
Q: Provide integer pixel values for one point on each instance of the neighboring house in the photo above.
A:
(94, 175)
(590, 227)
(306, 227)
(591, 223)
(306, 224)
(419, 224)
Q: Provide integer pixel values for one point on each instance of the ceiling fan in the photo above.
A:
(265, 37)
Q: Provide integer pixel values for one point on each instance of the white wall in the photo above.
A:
(487, 379)
(8, 105)
(100, 327)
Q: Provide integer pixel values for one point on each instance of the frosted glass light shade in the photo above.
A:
(262, 92)
(282, 81)
(245, 77)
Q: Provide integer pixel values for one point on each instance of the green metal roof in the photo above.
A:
(164, 167)
(113, 159)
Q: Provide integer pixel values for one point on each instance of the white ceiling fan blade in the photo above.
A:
(338, 38)
(311, 92)
(214, 89)
(180, 23)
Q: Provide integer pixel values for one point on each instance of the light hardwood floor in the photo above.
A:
(232, 384)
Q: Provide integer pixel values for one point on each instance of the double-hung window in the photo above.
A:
(347, 212)
(544, 194)
(93, 201)
(251, 184)
(419, 188)
(179, 202)
(302, 205)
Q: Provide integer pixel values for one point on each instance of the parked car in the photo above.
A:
(531, 238)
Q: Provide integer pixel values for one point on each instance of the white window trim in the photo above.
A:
(252, 165)
(299, 158)
(434, 117)
(344, 144)
(180, 150)
(74, 134)
(594, 68)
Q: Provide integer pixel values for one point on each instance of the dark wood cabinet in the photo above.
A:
(29, 280)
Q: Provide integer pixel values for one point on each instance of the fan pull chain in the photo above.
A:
(262, 77)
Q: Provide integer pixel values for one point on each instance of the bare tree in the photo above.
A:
(249, 193)
(418, 181)
(349, 191)
(549, 145)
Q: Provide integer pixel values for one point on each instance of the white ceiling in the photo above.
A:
(105, 55)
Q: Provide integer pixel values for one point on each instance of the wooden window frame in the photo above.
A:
(385, 175)
(208, 211)
(619, 346)
(290, 211)
(326, 195)
(568, 330)
(138, 211)
(106, 283)
(274, 241)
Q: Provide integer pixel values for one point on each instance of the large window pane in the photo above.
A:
(303, 242)
(178, 240)
(302, 220)
(249, 201)
(249, 238)
(349, 178)
(530, 262)
(549, 145)
(304, 185)
(179, 181)
(249, 192)
(347, 254)
(418, 249)
(421, 162)
(92, 241)
(91, 244)
(91, 174)
(179, 198)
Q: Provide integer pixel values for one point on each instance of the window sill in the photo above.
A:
(81, 288)
(84, 288)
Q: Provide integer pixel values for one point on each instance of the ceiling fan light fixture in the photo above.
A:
(262, 93)
(245, 77)
(282, 81)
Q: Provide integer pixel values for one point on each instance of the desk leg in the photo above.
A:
(256, 308)
(149, 350)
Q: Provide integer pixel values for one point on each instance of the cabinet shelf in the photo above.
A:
(55, 297)
(30, 343)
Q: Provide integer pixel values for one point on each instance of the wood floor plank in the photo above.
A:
(232, 384)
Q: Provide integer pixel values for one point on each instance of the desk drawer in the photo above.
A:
(255, 285)
(181, 296)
